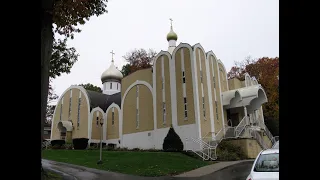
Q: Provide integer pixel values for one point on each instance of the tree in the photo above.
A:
(266, 71)
(66, 15)
(172, 142)
(50, 108)
(91, 87)
(138, 59)
(62, 58)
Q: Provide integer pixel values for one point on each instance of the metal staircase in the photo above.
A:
(208, 144)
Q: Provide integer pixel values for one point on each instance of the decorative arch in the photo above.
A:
(225, 72)
(154, 75)
(106, 115)
(90, 120)
(61, 96)
(247, 79)
(195, 89)
(124, 97)
(254, 81)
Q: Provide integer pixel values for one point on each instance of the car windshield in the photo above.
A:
(276, 145)
(267, 163)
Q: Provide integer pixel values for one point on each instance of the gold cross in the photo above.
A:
(112, 55)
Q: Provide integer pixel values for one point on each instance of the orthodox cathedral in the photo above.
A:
(187, 87)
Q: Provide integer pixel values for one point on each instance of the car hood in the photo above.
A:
(265, 176)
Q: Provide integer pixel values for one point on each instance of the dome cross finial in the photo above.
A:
(171, 22)
(112, 53)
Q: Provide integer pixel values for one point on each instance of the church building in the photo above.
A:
(187, 87)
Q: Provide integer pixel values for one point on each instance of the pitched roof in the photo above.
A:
(103, 101)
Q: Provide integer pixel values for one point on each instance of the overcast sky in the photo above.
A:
(232, 29)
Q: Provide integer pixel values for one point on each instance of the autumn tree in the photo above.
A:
(66, 15)
(266, 71)
(91, 87)
(138, 59)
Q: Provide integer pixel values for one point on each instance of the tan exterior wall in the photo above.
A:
(145, 111)
(204, 120)
(189, 88)
(113, 129)
(250, 147)
(159, 95)
(96, 128)
(141, 75)
(217, 120)
(82, 130)
(223, 80)
(234, 83)
(267, 141)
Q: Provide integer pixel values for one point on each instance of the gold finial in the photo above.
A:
(112, 55)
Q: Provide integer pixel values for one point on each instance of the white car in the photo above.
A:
(265, 166)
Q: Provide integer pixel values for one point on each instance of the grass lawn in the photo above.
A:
(136, 163)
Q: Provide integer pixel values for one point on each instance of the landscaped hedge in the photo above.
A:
(172, 142)
(80, 143)
(227, 151)
(57, 143)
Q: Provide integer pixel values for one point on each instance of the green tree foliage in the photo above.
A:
(62, 58)
(91, 87)
(138, 59)
(172, 142)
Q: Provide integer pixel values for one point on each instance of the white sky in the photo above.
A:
(232, 29)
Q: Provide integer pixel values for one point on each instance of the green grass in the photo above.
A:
(136, 163)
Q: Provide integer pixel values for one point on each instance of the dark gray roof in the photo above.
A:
(102, 100)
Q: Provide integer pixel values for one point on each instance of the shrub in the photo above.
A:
(80, 143)
(227, 151)
(59, 142)
(172, 142)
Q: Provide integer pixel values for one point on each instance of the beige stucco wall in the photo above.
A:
(250, 147)
(82, 130)
(167, 90)
(189, 88)
(204, 121)
(223, 80)
(234, 83)
(217, 121)
(141, 75)
(113, 130)
(145, 110)
(96, 129)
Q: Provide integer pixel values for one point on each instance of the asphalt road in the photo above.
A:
(235, 172)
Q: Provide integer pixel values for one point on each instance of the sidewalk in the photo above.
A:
(75, 172)
(210, 168)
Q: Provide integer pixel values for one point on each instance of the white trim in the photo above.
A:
(96, 109)
(81, 89)
(122, 101)
(212, 115)
(222, 114)
(106, 120)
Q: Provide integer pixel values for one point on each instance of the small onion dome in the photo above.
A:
(111, 73)
(172, 35)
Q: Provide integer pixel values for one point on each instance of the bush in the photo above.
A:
(172, 142)
(227, 151)
(80, 143)
(97, 145)
(59, 142)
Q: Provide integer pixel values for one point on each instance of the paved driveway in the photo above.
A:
(234, 172)
(72, 172)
